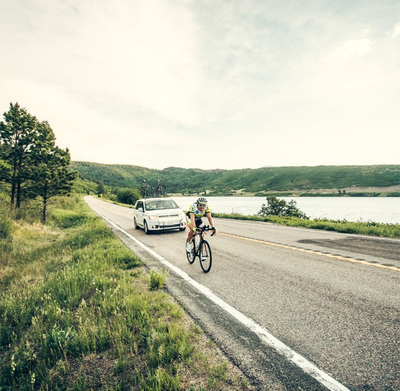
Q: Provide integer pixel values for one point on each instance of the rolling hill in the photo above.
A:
(263, 180)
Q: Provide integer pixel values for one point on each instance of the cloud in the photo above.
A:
(142, 82)
(351, 48)
(396, 31)
(131, 53)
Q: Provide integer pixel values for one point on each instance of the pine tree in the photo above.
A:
(18, 134)
(50, 175)
(30, 161)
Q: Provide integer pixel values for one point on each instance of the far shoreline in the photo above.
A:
(392, 191)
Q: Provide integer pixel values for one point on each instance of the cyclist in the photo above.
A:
(196, 211)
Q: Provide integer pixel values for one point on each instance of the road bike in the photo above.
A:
(145, 190)
(201, 248)
(148, 191)
(159, 191)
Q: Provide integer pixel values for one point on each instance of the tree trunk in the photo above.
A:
(12, 202)
(18, 203)
(13, 186)
(19, 187)
(44, 215)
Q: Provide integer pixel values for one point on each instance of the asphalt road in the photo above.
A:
(295, 309)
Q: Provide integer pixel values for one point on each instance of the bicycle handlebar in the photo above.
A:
(205, 228)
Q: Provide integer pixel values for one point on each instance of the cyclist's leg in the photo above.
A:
(191, 250)
(190, 219)
(197, 223)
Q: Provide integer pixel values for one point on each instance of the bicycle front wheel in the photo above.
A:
(191, 255)
(205, 256)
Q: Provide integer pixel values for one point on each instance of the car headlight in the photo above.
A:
(153, 217)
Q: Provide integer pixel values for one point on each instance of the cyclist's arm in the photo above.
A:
(210, 219)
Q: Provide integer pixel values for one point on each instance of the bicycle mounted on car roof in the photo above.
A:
(148, 191)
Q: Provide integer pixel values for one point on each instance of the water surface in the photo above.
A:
(377, 209)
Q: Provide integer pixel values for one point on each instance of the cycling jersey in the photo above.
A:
(198, 213)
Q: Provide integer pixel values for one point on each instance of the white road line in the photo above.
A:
(263, 334)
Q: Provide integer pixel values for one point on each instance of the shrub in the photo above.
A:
(128, 196)
(157, 279)
(279, 207)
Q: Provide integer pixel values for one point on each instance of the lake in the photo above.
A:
(377, 209)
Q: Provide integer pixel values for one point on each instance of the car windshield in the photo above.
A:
(161, 204)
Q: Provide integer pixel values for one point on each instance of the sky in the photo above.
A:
(208, 84)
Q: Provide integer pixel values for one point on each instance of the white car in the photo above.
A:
(156, 214)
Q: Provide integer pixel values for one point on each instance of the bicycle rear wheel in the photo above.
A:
(205, 256)
(191, 256)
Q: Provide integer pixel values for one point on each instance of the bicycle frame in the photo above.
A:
(201, 232)
(201, 249)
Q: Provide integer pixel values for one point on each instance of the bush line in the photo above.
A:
(362, 228)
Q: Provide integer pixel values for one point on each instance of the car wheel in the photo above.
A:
(146, 228)
(135, 224)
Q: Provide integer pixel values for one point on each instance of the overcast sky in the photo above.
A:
(208, 84)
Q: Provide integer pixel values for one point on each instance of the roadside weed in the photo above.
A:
(157, 279)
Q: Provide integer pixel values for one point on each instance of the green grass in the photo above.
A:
(78, 311)
(6, 226)
(362, 228)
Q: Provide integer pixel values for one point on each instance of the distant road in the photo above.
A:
(331, 300)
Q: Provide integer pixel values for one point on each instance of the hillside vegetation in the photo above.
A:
(246, 181)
